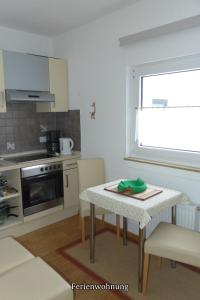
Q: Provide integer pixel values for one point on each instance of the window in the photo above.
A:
(165, 121)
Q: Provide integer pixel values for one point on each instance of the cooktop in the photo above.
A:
(30, 157)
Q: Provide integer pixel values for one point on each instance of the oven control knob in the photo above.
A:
(50, 168)
(42, 169)
(46, 168)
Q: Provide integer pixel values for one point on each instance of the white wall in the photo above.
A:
(97, 72)
(20, 41)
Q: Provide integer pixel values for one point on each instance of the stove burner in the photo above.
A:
(30, 157)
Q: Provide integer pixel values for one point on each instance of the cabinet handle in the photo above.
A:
(67, 181)
(2, 99)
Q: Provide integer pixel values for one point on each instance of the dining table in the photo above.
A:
(141, 211)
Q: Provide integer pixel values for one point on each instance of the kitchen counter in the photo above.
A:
(6, 165)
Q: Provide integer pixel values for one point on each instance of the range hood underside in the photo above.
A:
(29, 96)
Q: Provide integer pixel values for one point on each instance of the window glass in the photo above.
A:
(169, 111)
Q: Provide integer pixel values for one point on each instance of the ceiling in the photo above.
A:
(53, 17)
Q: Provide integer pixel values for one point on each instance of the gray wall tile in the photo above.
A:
(21, 125)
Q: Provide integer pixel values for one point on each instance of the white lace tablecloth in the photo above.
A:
(140, 211)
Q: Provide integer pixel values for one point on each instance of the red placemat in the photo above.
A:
(150, 192)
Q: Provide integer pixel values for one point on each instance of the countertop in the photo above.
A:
(6, 165)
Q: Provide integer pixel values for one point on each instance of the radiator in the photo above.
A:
(186, 216)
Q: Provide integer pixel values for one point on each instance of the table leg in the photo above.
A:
(124, 231)
(173, 263)
(92, 232)
(142, 237)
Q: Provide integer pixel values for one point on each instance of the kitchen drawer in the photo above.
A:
(69, 164)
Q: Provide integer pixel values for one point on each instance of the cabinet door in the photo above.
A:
(58, 84)
(2, 87)
(26, 71)
(70, 181)
(58, 87)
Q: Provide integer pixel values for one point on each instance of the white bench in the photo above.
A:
(25, 277)
(34, 280)
(12, 254)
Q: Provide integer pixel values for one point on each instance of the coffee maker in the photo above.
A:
(52, 143)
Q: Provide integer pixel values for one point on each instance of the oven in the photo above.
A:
(42, 187)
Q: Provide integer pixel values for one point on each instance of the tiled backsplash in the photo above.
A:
(23, 126)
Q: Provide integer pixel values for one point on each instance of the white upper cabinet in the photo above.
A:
(2, 86)
(58, 84)
(25, 71)
(21, 71)
(58, 87)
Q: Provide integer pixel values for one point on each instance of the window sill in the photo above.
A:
(163, 164)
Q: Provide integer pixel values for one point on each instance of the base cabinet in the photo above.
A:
(70, 181)
(19, 225)
(13, 214)
(2, 86)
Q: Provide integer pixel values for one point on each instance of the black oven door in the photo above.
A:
(42, 192)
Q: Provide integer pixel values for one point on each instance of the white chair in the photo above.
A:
(173, 242)
(91, 172)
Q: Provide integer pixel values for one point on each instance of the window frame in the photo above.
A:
(133, 96)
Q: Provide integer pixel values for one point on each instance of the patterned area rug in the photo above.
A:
(115, 268)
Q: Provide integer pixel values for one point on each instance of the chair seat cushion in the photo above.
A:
(34, 280)
(12, 254)
(176, 243)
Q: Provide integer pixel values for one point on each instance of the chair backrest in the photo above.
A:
(91, 172)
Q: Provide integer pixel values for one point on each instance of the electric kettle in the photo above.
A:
(66, 145)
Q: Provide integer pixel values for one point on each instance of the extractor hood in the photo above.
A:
(29, 96)
(26, 77)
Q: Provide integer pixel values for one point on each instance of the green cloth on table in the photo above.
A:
(136, 186)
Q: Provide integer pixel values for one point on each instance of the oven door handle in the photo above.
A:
(47, 175)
